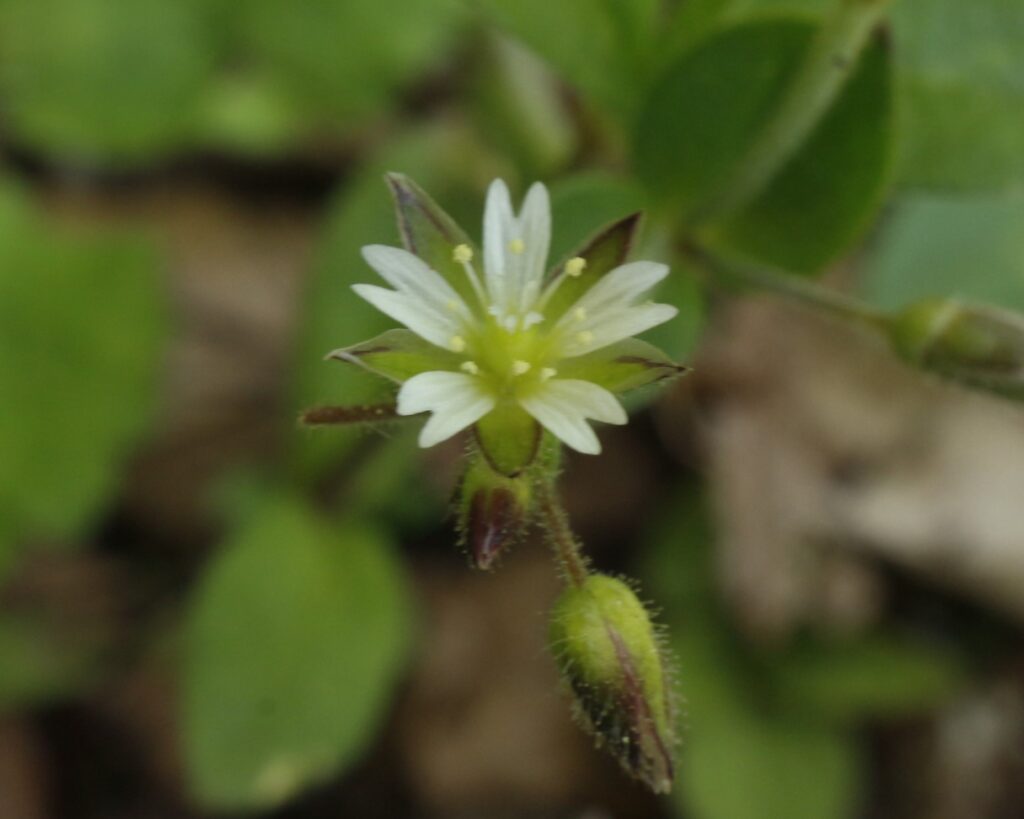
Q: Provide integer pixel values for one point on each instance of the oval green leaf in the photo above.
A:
(294, 640)
(707, 108)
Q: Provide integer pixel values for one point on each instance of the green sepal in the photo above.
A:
(604, 251)
(509, 438)
(623, 366)
(397, 355)
(429, 232)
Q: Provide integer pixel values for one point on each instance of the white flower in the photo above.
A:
(504, 343)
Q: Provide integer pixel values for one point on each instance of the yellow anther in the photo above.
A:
(520, 367)
(574, 267)
(469, 367)
(517, 246)
(457, 344)
(580, 314)
(584, 336)
(452, 305)
(463, 254)
(548, 373)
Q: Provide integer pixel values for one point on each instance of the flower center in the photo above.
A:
(505, 341)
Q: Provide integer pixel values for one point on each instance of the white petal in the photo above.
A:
(615, 325)
(499, 225)
(535, 226)
(456, 400)
(407, 310)
(409, 274)
(563, 405)
(621, 286)
(569, 427)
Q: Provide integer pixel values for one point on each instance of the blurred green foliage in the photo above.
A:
(971, 247)
(782, 722)
(295, 637)
(299, 629)
(82, 325)
(705, 112)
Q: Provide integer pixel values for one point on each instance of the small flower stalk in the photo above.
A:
(525, 357)
(609, 656)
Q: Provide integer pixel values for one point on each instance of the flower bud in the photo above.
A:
(494, 512)
(607, 651)
(977, 345)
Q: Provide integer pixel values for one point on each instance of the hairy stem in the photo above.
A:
(829, 62)
(761, 277)
(355, 414)
(556, 527)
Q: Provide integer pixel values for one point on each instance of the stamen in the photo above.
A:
(531, 318)
(574, 267)
(457, 344)
(584, 336)
(520, 367)
(580, 314)
(463, 254)
(452, 305)
(510, 323)
(469, 367)
(517, 246)
(547, 373)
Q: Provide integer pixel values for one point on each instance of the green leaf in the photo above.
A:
(398, 355)
(621, 367)
(970, 248)
(295, 638)
(961, 84)
(870, 677)
(703, 114)
(102, 79)
(695, 19)
(603, 48)
(345, 61)
(36, 666)
(520, 107)
(81, 327)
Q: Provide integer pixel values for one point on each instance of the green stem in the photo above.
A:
(556, 527)
(760, 277)
(829, 62)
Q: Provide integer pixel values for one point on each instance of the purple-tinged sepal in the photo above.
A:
(608, 653)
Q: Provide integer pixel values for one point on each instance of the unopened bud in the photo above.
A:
(494, 513)
(977, 345)
(608, 653)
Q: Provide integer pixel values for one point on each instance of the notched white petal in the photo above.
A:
(456, 400)
(562, 406)
(622, 286)
(426, 323)
(409, 274)
(535, 229)
(498, 227)
(614, 326)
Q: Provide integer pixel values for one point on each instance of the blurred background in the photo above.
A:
(206, 610)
